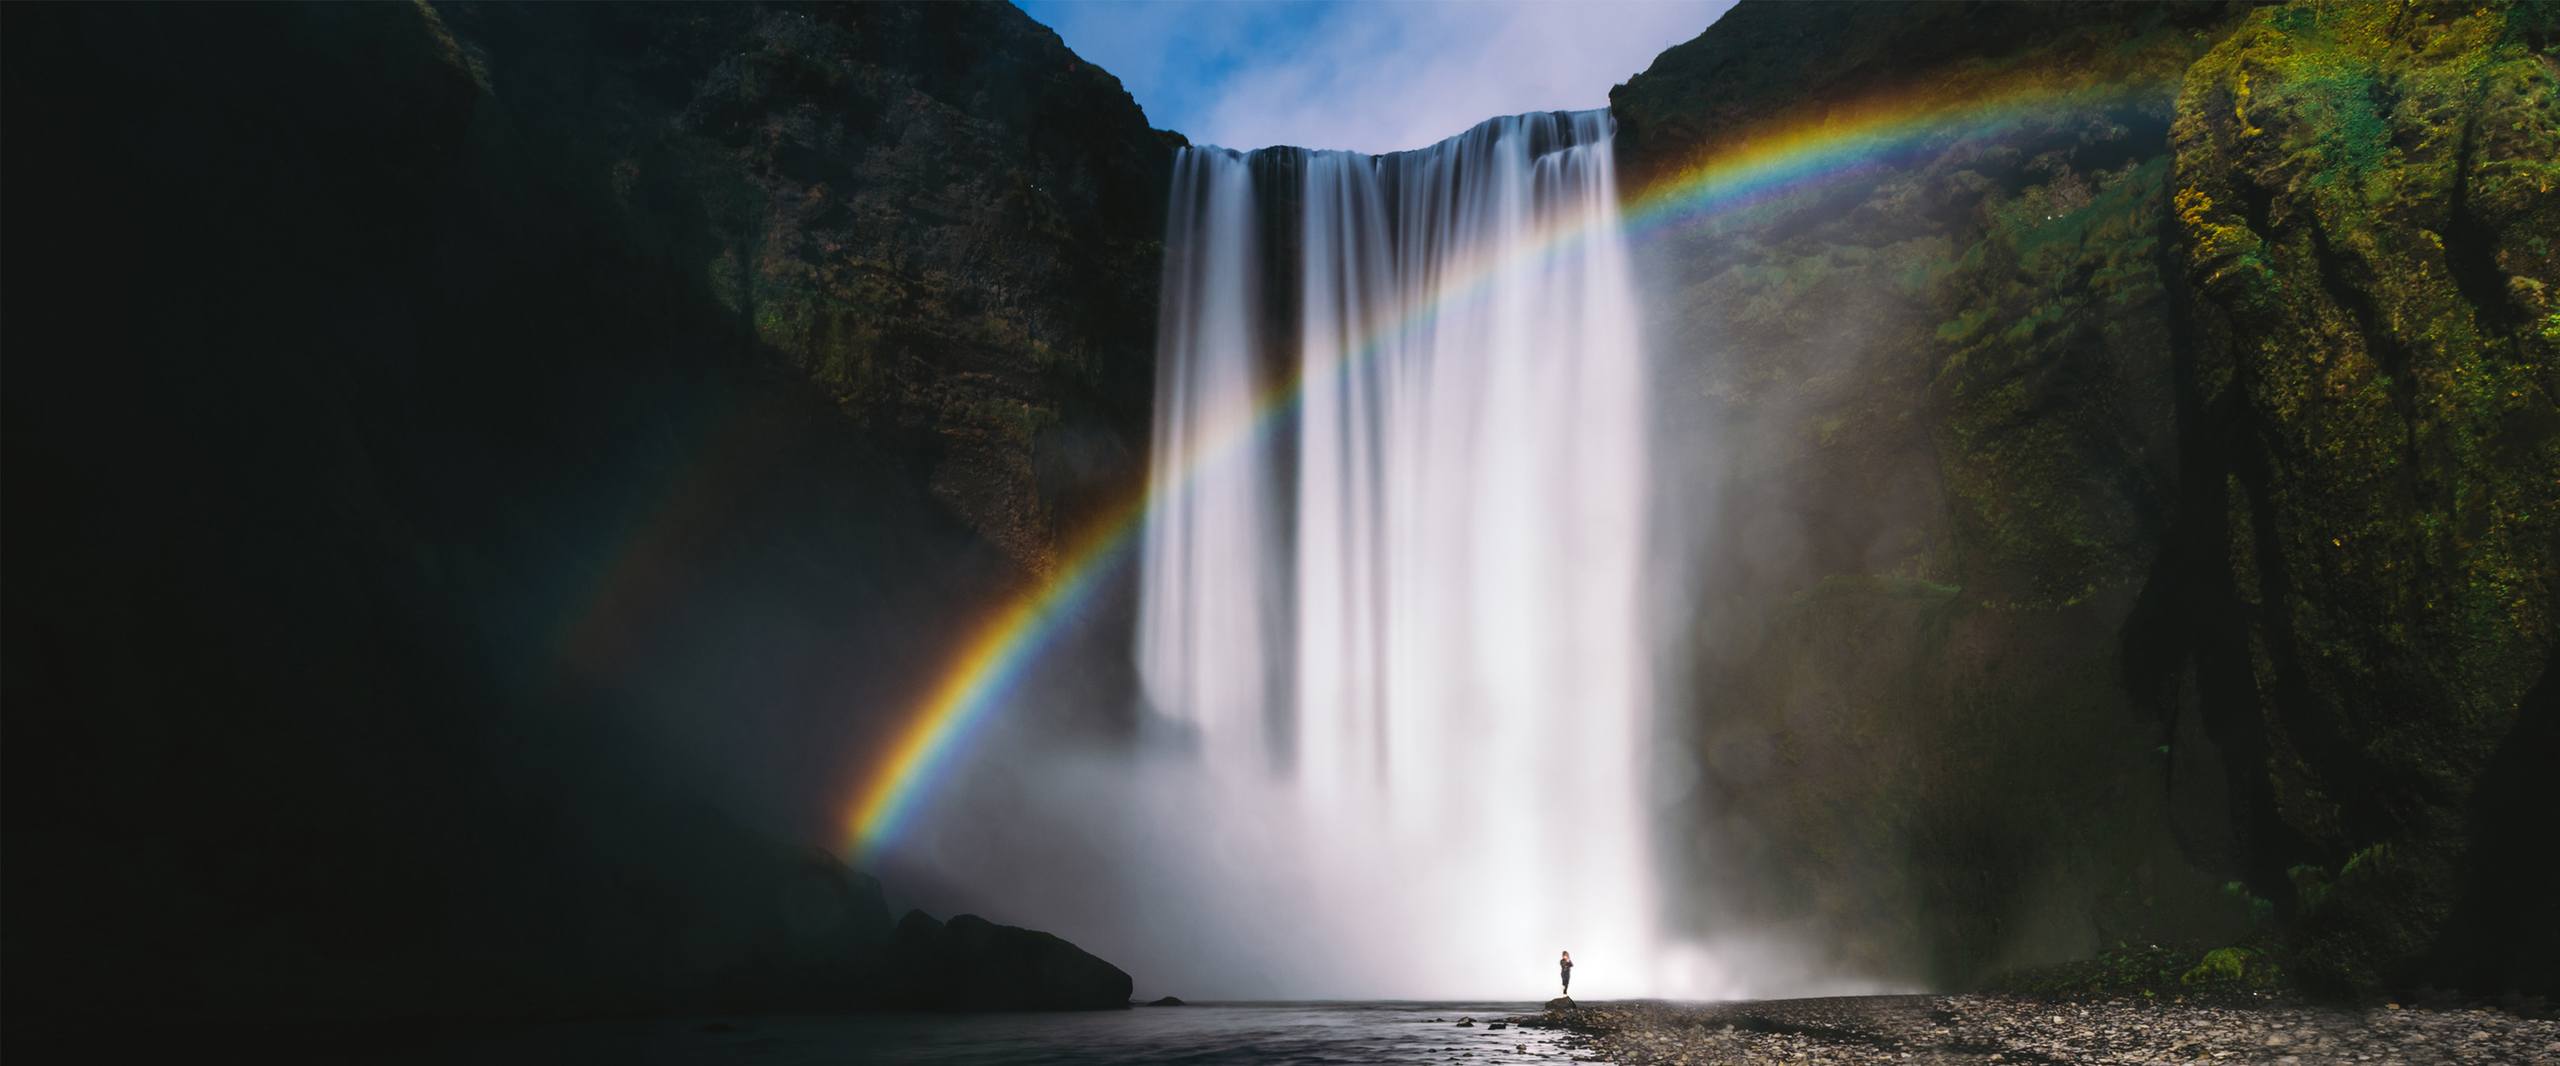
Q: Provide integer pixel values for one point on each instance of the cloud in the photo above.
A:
(1372, 77)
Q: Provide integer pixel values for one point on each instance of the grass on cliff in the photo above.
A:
(2174, 974)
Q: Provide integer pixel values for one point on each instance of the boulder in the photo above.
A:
(970, 963)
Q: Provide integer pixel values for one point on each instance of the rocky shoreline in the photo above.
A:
(1991, 1028)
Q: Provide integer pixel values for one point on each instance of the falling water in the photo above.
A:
(1210, 591)
(1408, 616)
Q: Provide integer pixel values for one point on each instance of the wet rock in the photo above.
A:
(1466, 1023)
(2010, 1028)
(1168, 1001)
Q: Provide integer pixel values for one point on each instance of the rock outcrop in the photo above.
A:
(970, 963)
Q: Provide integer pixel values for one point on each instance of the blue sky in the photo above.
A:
(1374, 76)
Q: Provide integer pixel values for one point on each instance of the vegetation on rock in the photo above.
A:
(2220, 406)
(957, 245)
(2365, 201)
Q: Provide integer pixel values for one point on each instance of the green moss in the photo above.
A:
(1888, 585)
(2311, 886)
(2259, 908)
(2057, 315)
(2360, 196)
(2232, 967)
(2154, 972)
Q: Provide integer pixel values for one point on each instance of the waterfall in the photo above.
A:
(1209, 591)
(1392, 574)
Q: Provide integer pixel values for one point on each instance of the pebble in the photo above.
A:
(1979, 1029)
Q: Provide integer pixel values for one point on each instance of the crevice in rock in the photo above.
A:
(2470, 247)
(2388, 352)
(2287, 699)
(2188, 615)
(2256, 207)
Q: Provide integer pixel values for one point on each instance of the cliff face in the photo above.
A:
(2365, 203)
(937, 215)
(1934, 407)
(2138, 493)
(479, 476)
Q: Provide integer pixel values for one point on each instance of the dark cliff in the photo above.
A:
(478, 475)
(2130, 518)
(2365, 205)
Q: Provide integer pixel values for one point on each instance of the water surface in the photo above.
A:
(1277, 1033)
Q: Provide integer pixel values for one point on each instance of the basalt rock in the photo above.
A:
(973, 964)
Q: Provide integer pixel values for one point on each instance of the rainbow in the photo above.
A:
(1759, 167)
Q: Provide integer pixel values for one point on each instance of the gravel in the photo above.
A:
(2019, 1029)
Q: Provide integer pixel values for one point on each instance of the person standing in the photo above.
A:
(1564, 967)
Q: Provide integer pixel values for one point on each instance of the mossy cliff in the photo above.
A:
(943, 220)
(2124, 509)
(2366, 199)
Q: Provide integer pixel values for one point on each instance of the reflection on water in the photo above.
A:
(1278, 1033)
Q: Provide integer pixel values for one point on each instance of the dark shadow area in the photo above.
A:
(427, 596)
(2505, 934)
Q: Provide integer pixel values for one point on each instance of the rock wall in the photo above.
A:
(935, 213)
(479, 477)
(2020, 625)
(2365, 212)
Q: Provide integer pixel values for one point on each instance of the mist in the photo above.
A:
(1397, 659)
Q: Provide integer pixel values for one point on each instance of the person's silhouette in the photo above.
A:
(1565, 967)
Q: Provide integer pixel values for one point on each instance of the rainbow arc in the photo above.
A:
(1772, 162)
